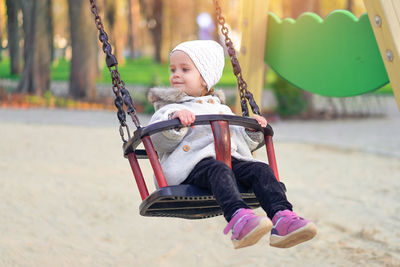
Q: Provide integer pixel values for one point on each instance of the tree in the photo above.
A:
(1, 31)
(300, 6)
(13, 31)
(350, 5)
(82, 81)
(35, 77)
(153, 12)
(116, 27)
(133, 31)
(50, 28)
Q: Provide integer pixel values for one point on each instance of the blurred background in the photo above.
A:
(50, 55)
(68, 197)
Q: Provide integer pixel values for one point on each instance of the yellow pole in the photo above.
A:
(253, 25)
(384, 16)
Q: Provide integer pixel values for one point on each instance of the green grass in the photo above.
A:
(144, 72)
(139, 71)
(59, 70)
(5, 70)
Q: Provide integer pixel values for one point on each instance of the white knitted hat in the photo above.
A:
(207, 56)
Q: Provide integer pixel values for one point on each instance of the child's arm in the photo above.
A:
(185, 116)
(167, 141)
(261, 120)
(254, 138)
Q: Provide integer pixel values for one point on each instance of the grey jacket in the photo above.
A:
(180, 150)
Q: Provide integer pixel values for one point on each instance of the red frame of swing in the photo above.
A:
(220, 130)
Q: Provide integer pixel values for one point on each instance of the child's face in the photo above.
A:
(184, 75)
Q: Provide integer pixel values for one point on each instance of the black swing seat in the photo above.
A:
(187, 201)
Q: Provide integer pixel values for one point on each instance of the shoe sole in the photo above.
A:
(303, 234)
(264, 227)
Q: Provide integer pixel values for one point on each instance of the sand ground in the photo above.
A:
(68, 198)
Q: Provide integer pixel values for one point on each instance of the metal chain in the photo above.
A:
(121, 94)
(245, 95)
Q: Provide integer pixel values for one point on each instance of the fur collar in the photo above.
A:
(161, 96)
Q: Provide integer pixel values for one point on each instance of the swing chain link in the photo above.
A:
(245, 95)
(121, 133)
(122, 95)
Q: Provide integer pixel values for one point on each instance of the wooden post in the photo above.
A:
(384, 16)
(253, 24)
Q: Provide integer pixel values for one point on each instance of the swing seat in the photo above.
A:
(189, 201)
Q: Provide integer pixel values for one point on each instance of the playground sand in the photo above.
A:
(68, 198)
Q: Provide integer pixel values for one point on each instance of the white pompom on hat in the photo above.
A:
(207, 56)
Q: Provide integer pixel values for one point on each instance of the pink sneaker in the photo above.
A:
(247, 228)
(290, 229)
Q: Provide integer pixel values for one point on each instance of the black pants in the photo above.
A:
(222, 181)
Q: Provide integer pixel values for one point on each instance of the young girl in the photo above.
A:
(187, 155)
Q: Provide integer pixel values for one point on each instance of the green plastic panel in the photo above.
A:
(337, 56)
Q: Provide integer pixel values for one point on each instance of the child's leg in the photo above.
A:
(260, 177)
(219, 178)
(247, 228)
(289, 229)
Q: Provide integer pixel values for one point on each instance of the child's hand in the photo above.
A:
(185, 116)
(261, 120)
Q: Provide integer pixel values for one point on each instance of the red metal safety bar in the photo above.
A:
(271, 155)
(155, 163)
(222, 141)
(137, 172)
